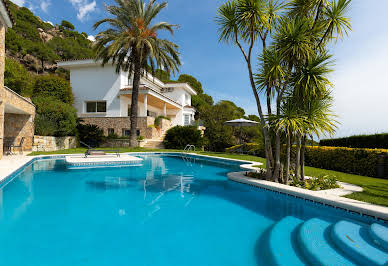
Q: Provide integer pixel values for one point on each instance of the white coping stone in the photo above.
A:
(324, 197)
(96, 159)
(10, 164)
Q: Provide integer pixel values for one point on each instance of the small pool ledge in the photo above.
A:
(379, 212)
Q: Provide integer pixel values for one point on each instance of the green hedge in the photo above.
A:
(377, 141)
(248, 148)
(348, 160)
(179, 136)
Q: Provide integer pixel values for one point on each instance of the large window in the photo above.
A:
(96, 107)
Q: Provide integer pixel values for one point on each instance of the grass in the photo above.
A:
(375, 189)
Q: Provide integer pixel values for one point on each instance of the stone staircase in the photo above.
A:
(155, 143)
(317, 242)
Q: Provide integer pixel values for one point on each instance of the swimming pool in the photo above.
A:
(171, 210)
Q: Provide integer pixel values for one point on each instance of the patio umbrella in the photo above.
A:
(241, 122)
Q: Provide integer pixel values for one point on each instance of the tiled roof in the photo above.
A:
(5, 3)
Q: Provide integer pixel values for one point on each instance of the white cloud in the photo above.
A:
(84, 8)
(49, 22)
(19, 2)
(44, 5)
(91, 38)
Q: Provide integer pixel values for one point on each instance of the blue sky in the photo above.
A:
(360, 88)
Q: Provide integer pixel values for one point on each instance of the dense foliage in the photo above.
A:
(91, 135)
(37, 44)
(17, 78)
(248, 148)
(53, 86)
(321, 182)
(179, 136)
(376, 141)
(354, 161)
(54, 118)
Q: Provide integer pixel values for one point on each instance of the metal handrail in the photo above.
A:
(189, 147)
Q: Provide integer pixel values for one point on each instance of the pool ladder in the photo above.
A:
(188, 148)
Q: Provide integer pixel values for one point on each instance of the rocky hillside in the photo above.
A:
(37, 44)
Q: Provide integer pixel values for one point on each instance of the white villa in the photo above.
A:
(103, 97)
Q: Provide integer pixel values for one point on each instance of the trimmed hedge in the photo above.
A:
(179, 136)
(377, 141)
(348, 160)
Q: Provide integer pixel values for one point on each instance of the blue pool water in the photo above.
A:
(169, 211)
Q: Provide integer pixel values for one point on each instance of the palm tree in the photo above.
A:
(290, 122)
(310, 82)
(244, 22)
(131, 43)
(320, 120)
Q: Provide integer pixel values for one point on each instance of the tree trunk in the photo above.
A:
(302, 151)
(276, 172)
(297, 156)
(135, 97)
(288, 158)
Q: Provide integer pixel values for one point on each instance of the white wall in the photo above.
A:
(96, 84)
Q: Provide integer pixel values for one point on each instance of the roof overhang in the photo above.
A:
(5, 17)
(69, 64)
(184, 86)
(147, 90)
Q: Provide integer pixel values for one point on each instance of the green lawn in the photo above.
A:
(375, 189)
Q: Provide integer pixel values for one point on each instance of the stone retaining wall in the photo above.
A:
(48, 143)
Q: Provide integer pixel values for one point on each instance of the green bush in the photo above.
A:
(17, 78)
(89, 134)
(67, 25)
(348, 160)
(54, 118)
(53, 87)
(321, 182)
(376, 141)
(179, 136)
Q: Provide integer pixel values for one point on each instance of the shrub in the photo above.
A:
(347, 160)
(89, 134)
(53, 86)
(159, 119)
(376, 141)
(179, 136)
(321, 182)
(54, 118)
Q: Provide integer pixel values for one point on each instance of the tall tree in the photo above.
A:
(296, 33)
(131, 43)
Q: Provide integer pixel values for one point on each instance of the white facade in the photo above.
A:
(101, 92)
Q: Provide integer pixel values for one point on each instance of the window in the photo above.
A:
(96, 107)
(126, 132)
(111, 131)
(187, 120)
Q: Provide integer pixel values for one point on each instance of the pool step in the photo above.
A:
(315, 243)
(282, 242)
(292, 241)
(354, 240)
(379, 234)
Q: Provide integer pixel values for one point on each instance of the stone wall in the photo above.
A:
(47, 143)
(144, 124)
(18, 126)
(2, 100)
